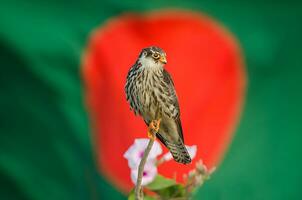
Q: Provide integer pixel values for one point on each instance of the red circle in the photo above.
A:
(206, 65)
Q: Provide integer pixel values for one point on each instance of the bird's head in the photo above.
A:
(152, 57)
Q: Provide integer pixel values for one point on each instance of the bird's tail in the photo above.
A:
(179, 152)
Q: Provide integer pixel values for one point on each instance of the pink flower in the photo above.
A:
(136, 151)
(191, 150)
(150, 172)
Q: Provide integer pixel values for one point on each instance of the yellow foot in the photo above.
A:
(151, 136)
(153, 128)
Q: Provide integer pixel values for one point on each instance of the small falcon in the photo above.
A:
(150, 92)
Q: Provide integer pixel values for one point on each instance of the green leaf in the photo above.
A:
(172, 192)
(166, 188)
(149, 198)
(160, 182)
(132, 196)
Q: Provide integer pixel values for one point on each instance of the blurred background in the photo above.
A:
(47, 150)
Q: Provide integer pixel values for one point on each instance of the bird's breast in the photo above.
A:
(146, 93)
(149, 93)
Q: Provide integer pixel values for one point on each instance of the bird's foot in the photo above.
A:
(153, 128)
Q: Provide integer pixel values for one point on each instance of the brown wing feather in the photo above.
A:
(177, 148)
(169, 82)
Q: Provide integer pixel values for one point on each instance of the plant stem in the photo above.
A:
(139, 195)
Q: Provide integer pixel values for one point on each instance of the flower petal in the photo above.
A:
(150, 172)
(136, 151)
(192, 151)
(167, 156)
(142, 144)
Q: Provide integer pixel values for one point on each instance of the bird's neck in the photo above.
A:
(151, 67)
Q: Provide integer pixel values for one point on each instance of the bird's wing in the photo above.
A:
(167, 131)
(129, 89)
(172, 101)
(170, 93)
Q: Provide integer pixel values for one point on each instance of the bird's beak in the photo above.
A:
(163, 59)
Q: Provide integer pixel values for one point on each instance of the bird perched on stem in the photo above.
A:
(151, 94)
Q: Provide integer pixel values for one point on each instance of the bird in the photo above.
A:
(151, 94)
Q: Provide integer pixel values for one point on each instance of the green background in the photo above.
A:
(45, 144)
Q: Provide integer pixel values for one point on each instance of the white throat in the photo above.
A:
(148, 63)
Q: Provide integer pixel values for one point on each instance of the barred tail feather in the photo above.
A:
(179, 152)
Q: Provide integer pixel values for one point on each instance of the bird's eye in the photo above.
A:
(155, 55)
(145, 53)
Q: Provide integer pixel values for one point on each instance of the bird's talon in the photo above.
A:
(153, 128)
(155, 125)
(151, 135)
